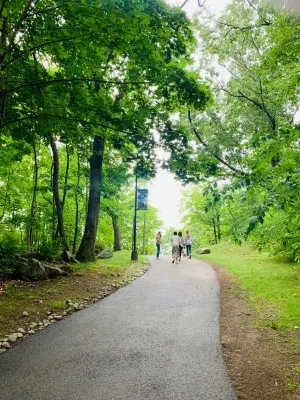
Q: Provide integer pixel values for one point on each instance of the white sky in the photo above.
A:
(164, 190)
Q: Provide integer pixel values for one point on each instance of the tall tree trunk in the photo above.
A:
(58, 205)
(218, 227)
(117, 234)
(65, 184)
(76, 204)
(215, 230)
(6, 195)
(86, 250)
(30, 232)
(53, 202)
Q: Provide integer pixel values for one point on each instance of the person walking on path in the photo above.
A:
(175, 248)
(181, 244)
(158, 244)
(188, 244)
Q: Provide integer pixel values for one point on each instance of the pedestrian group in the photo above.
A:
(181, 246)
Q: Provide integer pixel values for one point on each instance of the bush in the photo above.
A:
(10, 245)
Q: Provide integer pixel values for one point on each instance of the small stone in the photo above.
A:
(12, 338)
(31, 332)
(6, 345)
(57, 317)
(21, 330)
(2, 351)
(46, 324)
(41, 328)
(50, 317)
(48, 312)
(33, 325)
(65, 313)
(86, 299)
(19, 335)
(25, 314)
(45, 321)
(52, 321)
(40, 324)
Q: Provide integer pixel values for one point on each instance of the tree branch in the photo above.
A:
(206, 146)
(261, 106)
(39, 46)
(71, 80)
(18, 25)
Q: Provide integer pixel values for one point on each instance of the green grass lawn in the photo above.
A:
(272, 286)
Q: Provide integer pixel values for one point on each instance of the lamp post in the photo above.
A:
(134, 253)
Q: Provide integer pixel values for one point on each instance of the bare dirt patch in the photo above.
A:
(264, 364)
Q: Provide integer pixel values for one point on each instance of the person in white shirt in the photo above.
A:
(181, 244)
(175, 248)
(188, 244)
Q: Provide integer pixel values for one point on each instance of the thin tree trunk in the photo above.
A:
(215, 230)
(6, 195)
(65, 184)
(76, 203)
(117, 234)
(53, 203)
(218, 227)
(58, 205)
(86, 250)
(30, 232)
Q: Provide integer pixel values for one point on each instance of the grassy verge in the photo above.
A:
(272, 286)
(89, 281)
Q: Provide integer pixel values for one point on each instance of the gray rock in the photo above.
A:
(45, 321)
(12, 338)
(33, 325)
(48, 312)
(19, 335)
(6, 345)
(25, 314)
(21, 330)
(106, 253)
(29, 269)
(31, 332)
(2, 351)
(50, 317)
(203, 251)
(68, 257)
(46, 324)
(53, 271)
(57, 317)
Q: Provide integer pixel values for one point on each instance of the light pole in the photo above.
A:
(134, 253)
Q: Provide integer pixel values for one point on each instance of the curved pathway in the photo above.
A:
(157, 339)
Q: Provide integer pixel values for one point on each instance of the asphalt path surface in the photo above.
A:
(156, 338)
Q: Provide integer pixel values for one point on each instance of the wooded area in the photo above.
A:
(244, 150)
(83, 86)
(87, 85)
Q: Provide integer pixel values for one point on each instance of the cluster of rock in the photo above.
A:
(33, 327)
(33, 269)
(203, 251)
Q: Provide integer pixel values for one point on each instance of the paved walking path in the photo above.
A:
(156, 339)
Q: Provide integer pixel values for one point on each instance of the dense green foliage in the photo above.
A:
(245, 147)
(90, 80)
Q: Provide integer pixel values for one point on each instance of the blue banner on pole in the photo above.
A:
(142, 199)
